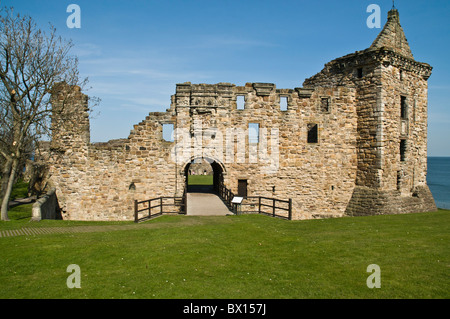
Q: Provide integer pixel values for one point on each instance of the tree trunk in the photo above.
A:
(12, 177)
(6, 171)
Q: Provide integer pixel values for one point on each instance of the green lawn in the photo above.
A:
(20, 217)
(246, 256)
(20, 190)
(200, 180)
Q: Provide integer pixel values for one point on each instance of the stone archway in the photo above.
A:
(217, 168)
(204, 201)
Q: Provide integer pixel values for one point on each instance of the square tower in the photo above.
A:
(392, 111)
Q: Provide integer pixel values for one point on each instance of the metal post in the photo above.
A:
(161, 204)
(136, 214)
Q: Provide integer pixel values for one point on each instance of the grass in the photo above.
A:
(20, 190)
(20, 216)
(200, 180)
(246, 256)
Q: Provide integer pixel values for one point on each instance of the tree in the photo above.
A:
(32, 62)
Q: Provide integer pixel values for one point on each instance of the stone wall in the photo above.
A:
(46, 207)
(318, 176)
(352, 141)
(100, 181)
(384, 80)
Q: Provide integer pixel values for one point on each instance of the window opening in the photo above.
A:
(360, 73)
(325, 104)
(240, 102)
(283, 103)
(168, 132)
(404, 108)
(253, 133)
(312, 133)
(402, 150)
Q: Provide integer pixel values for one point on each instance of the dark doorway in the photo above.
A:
(205, 180)
(242, 187)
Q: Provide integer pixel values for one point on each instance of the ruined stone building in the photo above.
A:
(351, 141)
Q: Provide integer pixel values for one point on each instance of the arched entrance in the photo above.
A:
(203, 175)
(202, 198)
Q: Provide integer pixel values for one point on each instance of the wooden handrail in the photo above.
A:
(227, 196)
(161, 206)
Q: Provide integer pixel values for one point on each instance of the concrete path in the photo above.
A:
(205, 204)
(21, 201)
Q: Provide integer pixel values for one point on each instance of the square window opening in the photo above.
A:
(168, 132)
(253, 133)
(312, 133)
(359, 73)
(240, 102)
(283, 103)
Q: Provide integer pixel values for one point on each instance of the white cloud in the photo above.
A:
(83, 50)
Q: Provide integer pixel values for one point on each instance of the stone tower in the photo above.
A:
(70, 118)
(391, 137)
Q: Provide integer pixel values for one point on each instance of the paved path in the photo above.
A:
(205, 204)
(21, 201)
(29, 231)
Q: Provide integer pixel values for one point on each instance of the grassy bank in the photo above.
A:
(248, 256)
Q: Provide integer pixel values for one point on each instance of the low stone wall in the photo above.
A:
(46, 207)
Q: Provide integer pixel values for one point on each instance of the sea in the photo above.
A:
(438, 180)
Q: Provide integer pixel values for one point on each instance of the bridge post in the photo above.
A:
(136, 214)
(290, 208)
(273, 207)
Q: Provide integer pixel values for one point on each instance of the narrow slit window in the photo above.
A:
(168, 132)
(325, 105)
(403, 108)
(240, 102)
(253, 133)
(283, 103)
(402, 150)
(312, 133)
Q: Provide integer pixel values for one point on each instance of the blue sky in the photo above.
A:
(134, 52)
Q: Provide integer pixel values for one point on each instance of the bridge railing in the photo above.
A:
(226, 195)
(257, 204)
(154, 207)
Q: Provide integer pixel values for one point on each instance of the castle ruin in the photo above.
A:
(352, 141)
